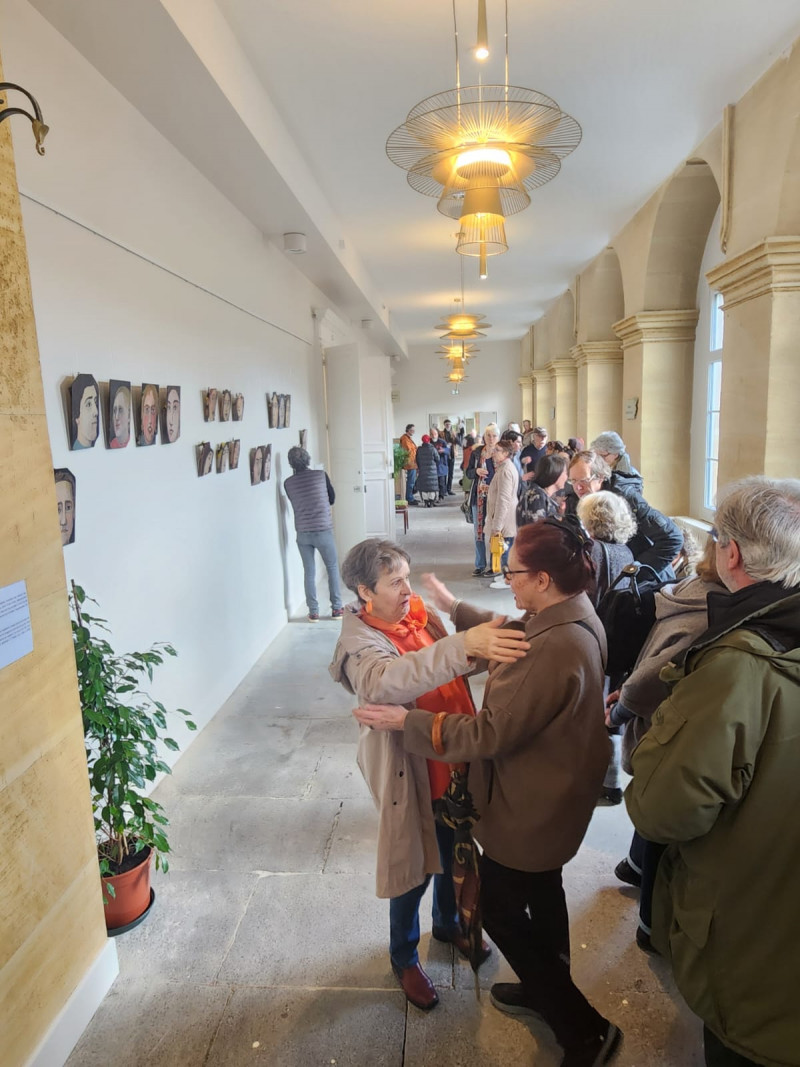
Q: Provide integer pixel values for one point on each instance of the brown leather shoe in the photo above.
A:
(417, 986)
(462, 944)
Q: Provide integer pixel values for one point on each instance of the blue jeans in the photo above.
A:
(320, 541)
(411, 482)
(404, 910)
(480, 544)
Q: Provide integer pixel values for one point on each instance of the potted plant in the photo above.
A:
(122, 727)
(400, 459)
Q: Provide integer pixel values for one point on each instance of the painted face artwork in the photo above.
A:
(225, 406)
(238, 407)
(172, 413)
(149, 415)
(120, 393)
(65, 498)
(223, 457)
(235, 447)
(267, 464)
(256, 465)
(84, 397)
(210, 405)
(205, 459)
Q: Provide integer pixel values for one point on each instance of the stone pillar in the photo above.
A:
(599, 366)
(543, 400)
(759, 425)
(526, 389)
(565, 388)
(658, 349)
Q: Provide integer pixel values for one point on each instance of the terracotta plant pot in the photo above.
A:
(132, 893)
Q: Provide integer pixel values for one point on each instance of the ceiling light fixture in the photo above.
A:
(482, 45)
(462, 325)
(40, 131)
(481, 150)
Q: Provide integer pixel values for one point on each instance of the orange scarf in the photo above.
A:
(453, 698)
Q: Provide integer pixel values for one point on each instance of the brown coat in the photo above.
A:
(501, 502)
(538, 749)
(366, 663)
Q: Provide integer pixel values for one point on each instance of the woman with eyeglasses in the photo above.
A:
(542, 497)
(538, 751)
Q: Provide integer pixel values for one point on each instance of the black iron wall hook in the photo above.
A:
(39, 129)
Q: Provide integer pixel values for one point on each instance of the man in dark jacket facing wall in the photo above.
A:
(311, 494)
(716, 779)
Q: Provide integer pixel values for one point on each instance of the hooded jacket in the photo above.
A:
(657, 540)
(716, 779)
(427, 469)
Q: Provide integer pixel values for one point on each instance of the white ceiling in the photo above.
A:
(646, 79)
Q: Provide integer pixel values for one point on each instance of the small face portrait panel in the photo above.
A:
(225, 404)
(223, 457)
(84, 398)
(172, 415)
(281, 410)
(256, 464)
(287, 411)
(210, 405)
(65, 498)
(235, 447)
(272, 411)
(238, 407)
(119, 413)
(267, 463)
(304, 439)
(205, 459)
(149, 415)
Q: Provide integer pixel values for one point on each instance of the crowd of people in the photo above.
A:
(705, 721)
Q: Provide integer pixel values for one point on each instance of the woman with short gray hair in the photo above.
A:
(394, 649)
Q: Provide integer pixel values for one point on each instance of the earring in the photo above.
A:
(368, 607)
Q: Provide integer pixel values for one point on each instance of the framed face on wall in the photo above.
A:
(84, 402)
(172, 415)
(119, 413)
(267, 470)
(205, 459)
(256, 464)
(272, 411)
(281, 410)
(235, 447)
(210, 405)
(65, 498)
(304, 439)
(223, 457)
(287, 410)
(225, 405)
(148, 415)
(238, 407)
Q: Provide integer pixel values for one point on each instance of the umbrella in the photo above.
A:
(456, 810)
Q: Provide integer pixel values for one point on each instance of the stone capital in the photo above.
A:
(562, 368)
(771, 266)
(542, 375)
(526, 379)
(596, 352)
(657, 327)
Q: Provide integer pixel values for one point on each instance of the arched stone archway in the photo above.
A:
(598, 352)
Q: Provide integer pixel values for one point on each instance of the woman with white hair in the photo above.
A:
(609, 521)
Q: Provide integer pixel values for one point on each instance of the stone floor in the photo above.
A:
(267, 944)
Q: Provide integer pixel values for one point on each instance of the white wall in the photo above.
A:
(208, 564)
(491, 385)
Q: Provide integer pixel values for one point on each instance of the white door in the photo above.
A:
(376, 421)
(343, 391)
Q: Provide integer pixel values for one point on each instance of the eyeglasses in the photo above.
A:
(582, 483)
(507, 572)
(714, 534)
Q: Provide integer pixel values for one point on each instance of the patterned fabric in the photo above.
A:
(483, 493)
(456, 810)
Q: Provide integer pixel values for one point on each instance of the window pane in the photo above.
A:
(711, 484)
(714, 385)
(712, 443)
(717, 322)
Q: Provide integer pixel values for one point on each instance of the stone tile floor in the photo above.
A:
(267, 945)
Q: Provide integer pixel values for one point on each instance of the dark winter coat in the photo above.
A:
(427, 469)
(657, 540)
(442, 458)
(534, 504)
(476, 460)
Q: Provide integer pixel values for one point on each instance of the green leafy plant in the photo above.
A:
(400, 458)
(122, 728)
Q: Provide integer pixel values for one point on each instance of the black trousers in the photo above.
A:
(525, 914)
(719, 1055)
(645, 856)
(451, 465)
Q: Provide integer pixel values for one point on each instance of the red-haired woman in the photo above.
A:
(538, 750)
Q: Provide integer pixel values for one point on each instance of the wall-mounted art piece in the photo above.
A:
(281, 410)
(65, 497)
(287, 411)
(266, 470)
(210, 405)
(84, 406)
(235, 448)
(225, 405)
(238, 407)
(205, 459)
(256, 464)
(223, 457)
(119, 413)
(171, 409)
(304, 439)
(272, 411)
(148, 415)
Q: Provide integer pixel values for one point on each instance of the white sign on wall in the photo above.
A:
(16, 634)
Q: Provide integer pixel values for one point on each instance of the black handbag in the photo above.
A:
(628, 615)
(466, 509)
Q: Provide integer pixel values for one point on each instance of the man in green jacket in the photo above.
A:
(717, 779)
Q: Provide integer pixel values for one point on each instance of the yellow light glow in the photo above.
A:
(482, 52)
(498, 156)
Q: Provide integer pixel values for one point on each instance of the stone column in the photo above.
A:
(526, 390)
(759, 425)
(543, 400)
(565, 401)
(599, 366)
(658, 349)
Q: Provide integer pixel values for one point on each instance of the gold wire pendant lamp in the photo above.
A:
(481, 149)
(458, 351)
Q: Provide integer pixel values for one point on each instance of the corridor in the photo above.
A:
(266, 944)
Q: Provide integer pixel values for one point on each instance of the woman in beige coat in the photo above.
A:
(538, 751)
(501, 503)
(394, 648)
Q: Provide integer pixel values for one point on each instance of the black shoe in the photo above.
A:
(489, 573)
(610, 797)
(510, 998)
(478, 572)
(626, 873)
(597, 1052)
(644, 942)
(413, 503)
